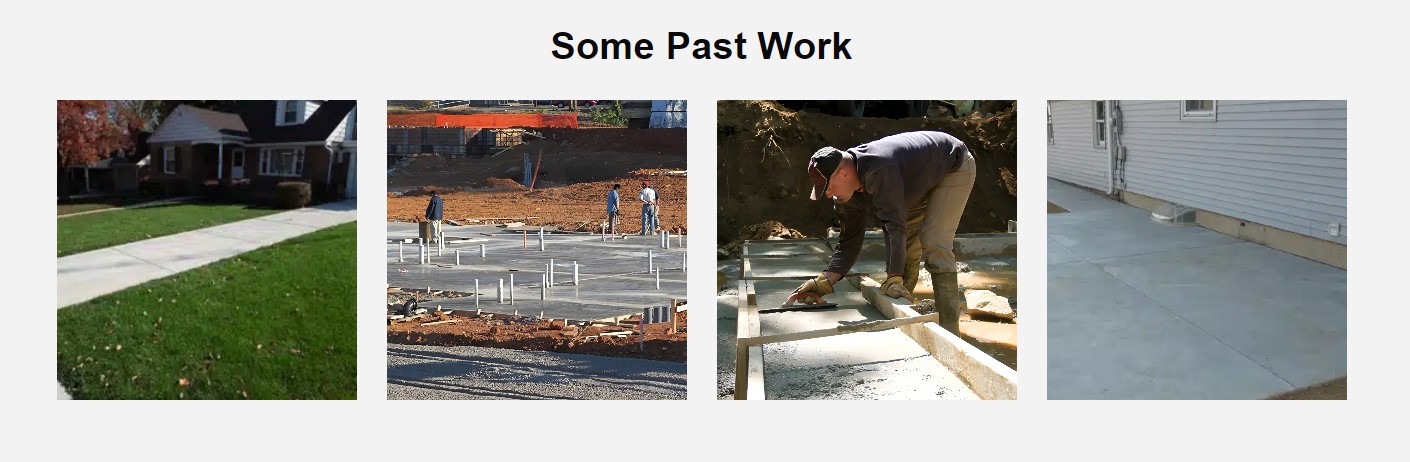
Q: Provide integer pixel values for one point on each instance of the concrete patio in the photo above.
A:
(1141, 310)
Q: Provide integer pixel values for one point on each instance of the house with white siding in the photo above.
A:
(1271, 172)
(259, 144)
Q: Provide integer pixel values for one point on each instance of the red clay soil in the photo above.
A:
(763, 150)
(529, 334)
(575, 207)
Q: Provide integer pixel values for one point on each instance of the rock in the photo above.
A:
(925, 306)
(983, 302)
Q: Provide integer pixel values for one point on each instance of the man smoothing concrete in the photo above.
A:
(916, 185)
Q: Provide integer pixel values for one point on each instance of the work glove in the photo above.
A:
(895, 287)
(817, 286)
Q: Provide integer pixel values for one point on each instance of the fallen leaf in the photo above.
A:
(119, 347)
(259, 346)
(183, 382)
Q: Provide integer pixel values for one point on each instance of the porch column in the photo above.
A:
(220, 162)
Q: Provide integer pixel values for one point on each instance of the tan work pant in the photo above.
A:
(931, 226)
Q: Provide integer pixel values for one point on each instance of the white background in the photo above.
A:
(1029, 51)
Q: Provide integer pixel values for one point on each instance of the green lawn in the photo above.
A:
(275, 323)
(98, 230)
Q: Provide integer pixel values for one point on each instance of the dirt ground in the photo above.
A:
(1335, 389)
(570, 192)
(531, 334)
(763, 151)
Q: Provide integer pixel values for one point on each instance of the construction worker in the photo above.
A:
(612, 201)
(916, 185)
(435, 211)
(648, 208)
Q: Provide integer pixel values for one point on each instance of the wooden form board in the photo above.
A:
(748, 360)
(839, 330)
(989, 378)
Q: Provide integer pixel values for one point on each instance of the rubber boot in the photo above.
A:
(949, 300)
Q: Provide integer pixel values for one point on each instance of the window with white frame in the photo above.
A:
(1197, 109)
(169, 160)
(1099, 123)
(1050, 122)
(281, 162)
(289, 113)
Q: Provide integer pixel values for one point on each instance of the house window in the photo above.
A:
(290, 114)
(281, 162)
(1050, 122)
(169, 160)
(1197, 109)
(239, 160)
(1099, 123)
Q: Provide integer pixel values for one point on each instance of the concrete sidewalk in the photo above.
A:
(1141, 310)
(92, 274)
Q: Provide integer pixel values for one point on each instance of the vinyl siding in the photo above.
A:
(1275, 163)
(1073, 156)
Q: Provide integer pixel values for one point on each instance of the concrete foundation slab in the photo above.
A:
(1138, 310)
(1284, 312)
(1107, 340)
(613, 275)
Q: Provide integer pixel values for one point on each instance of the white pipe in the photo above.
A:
(477, 293)
(501, 291)
(399, 254)
(575, 274)
(650, 260)
(511, 288)
(658, 278)
(550, 271)
(457, 257)
(482, 251)
(543, 292)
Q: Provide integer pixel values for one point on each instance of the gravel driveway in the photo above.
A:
(430, 372)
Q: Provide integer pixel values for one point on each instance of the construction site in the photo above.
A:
(524, 293)
(860, 344)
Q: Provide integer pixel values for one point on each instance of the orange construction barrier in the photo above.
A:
(484, 120)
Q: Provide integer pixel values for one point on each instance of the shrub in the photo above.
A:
(293, 194)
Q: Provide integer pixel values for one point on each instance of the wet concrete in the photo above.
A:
(613, 274)
(1137, 310)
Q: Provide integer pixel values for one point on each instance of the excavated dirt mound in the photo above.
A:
(503, 184)
(574, 207)
(761, 231)
(530, 334)
(763, 152)
(569, 156)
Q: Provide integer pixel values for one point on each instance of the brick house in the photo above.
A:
(257, 146)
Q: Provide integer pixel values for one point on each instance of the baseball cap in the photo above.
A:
(821, 167)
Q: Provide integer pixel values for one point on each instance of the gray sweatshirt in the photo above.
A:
(897, 173)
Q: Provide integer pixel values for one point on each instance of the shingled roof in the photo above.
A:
(259, 119)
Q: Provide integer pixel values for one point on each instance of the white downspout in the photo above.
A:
(328, 173)
(220, 162)
(1110, 146)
